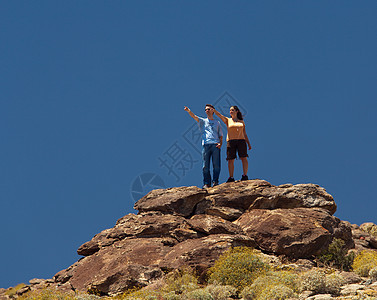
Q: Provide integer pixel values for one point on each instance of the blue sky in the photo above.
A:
(92, 97)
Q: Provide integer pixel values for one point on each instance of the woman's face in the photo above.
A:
(232, 111)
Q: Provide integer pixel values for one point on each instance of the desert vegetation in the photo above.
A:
(241, 273)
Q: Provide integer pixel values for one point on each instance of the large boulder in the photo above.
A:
(150, 224)
(179, 200)
(208, 224)
(136, 262)
(112, 270)
(298, 233)
(260, 194)
(203, 252)
(230, 200)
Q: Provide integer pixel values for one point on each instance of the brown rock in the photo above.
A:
(297, 233)
(153, 224)
(213, 225)
(23, 290)
(203, 251)
(188, 226)
(295, 196)
(226, 213)
(238, 195)
(182, 234)
(350, 277)
(179, 200)
(259, 194)
(362, 236)
(125, 264)
(369, 227)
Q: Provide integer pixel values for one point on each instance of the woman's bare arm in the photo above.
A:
(224, 119)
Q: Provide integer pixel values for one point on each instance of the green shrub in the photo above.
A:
(364, 262)
(278, 292)
(336, 255)
(179, 281)
(221, 292)
(13, 290)
(334, 283)
(373, 273)
(237, 267)
(142, 294)
(48, 294)
(198, 294)
(313, 280)
(265, 283)
(171, 296)
(320, 283)
(248, 293)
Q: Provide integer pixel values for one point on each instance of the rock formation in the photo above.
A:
(188, 226)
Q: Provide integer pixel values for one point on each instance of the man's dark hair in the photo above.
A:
(210, 105)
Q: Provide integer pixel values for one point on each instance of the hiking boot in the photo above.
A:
(206, 186)
(215, 183)
(230, 179)
(244, 177)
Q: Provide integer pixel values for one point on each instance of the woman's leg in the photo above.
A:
(245, 165)
(231, 167)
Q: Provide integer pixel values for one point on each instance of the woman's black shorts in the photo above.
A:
(234, 146)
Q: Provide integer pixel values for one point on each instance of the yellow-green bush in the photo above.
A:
(373, 273)
(221, 292)
(142, 294)
(238, 267)
(50, 294)
(334, 283)
(170, 296)
(285, 283)
(364, 262)
(179, 281)
(279, 292)
(13, 290)
(318, 282)
(198, 294)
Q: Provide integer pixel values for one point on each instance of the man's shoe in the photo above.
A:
(230, 179)
(206, 186)
(244, 177)
(215, 183)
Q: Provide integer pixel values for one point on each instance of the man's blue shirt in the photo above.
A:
(211, 131)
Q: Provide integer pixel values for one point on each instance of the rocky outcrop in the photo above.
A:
(180, 201)
(298, 233)
(188, 226)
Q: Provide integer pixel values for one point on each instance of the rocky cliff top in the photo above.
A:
(188, 226)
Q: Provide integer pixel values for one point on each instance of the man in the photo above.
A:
(212, 139)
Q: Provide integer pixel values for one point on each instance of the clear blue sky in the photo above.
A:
(92, 97)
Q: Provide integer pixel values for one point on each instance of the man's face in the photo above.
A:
(209, 111)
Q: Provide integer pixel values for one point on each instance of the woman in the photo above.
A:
(236, 141)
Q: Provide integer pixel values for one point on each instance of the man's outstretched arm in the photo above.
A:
(192, 114)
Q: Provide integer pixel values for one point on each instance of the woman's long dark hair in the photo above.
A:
(239, 114)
